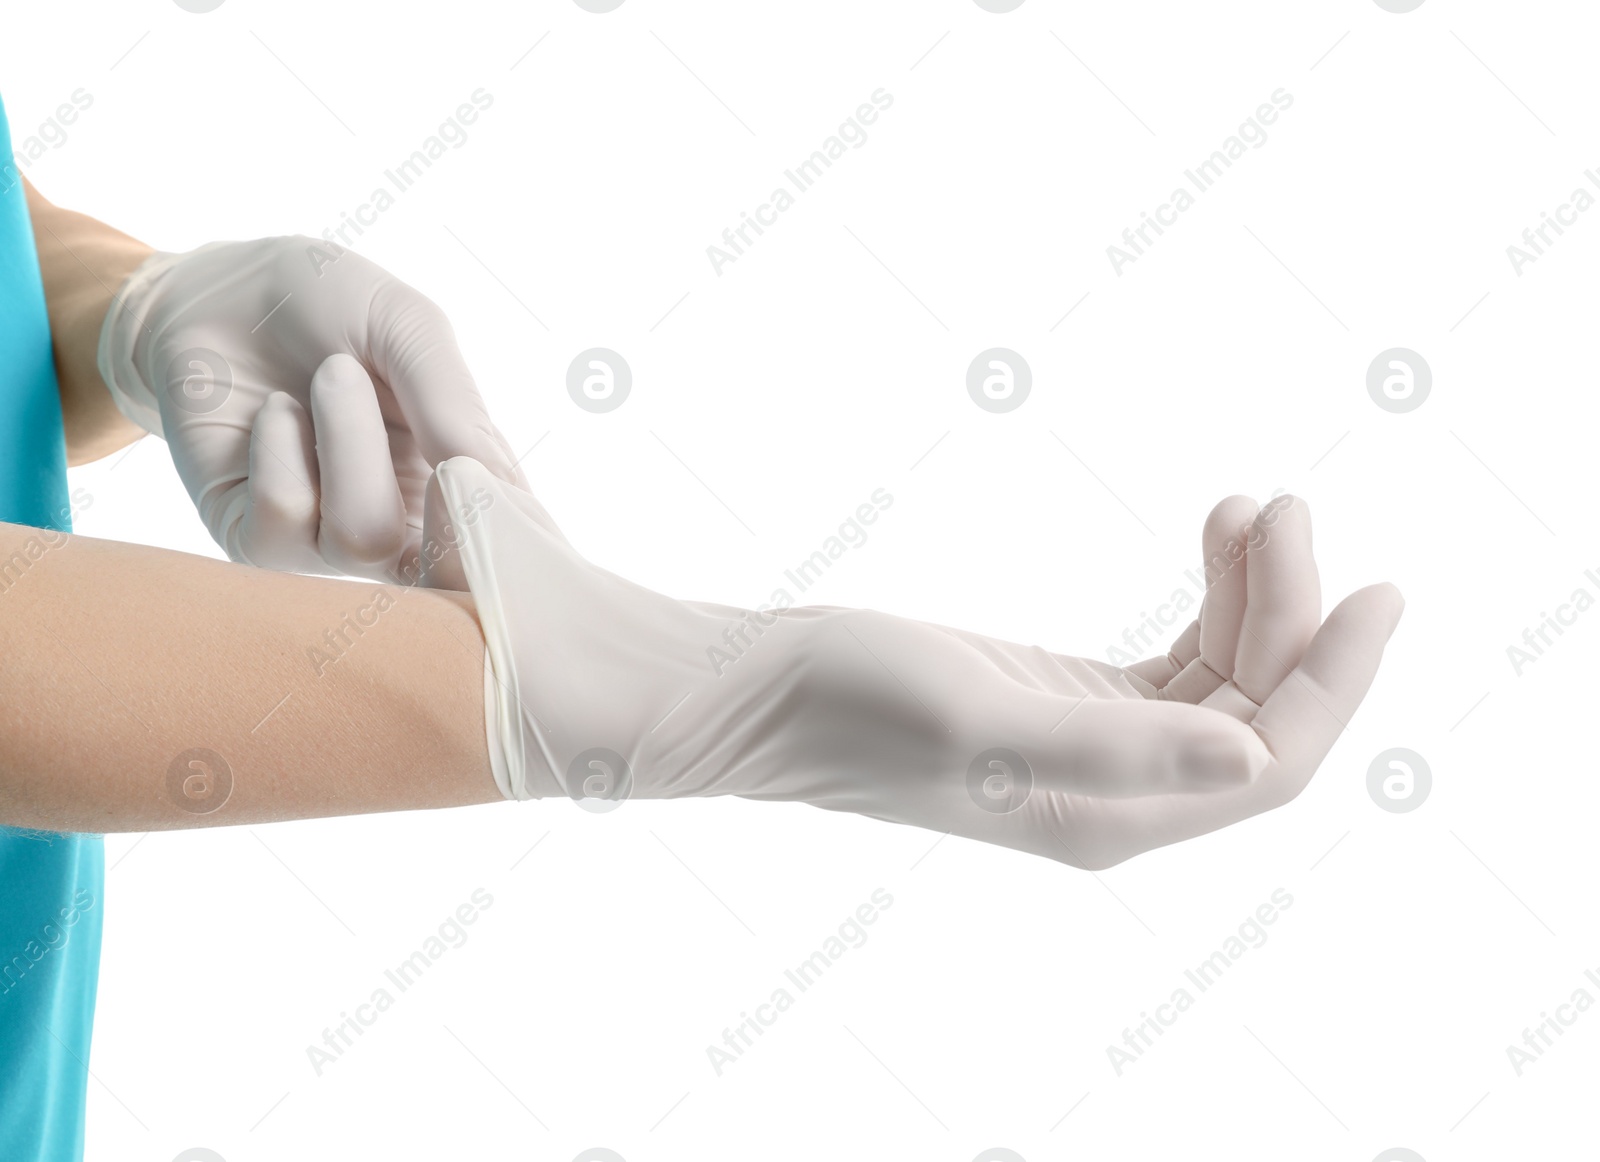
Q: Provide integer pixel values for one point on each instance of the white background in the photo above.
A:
(827, 363)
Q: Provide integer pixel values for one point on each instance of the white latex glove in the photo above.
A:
(304, 393)
(600, 690)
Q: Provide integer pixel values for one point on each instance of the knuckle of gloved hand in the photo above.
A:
(420, 314)
(363, 547)
(278, 507)
(307, 262)
(290, 256)
(405, 321)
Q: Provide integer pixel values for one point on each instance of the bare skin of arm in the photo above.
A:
(322, 697)
(83, 262)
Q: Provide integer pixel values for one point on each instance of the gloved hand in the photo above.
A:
(600, 690)
(305, 394)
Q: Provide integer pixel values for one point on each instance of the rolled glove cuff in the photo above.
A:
(518, 773)
(518, 757)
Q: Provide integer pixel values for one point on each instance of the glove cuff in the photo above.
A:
(120, 334)
(519, 757)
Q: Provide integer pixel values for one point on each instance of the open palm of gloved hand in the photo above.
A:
(599, 690)
(305, 394)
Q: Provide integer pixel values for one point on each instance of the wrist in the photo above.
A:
(91, 421)
(82, 264)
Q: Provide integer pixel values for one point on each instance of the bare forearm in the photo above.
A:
(138, 682)
(82, 262)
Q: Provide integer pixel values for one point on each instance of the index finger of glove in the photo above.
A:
(414, 349)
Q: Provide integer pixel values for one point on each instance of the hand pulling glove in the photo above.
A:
(305, 394)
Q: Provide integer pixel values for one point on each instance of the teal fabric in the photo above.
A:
(51, 886)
